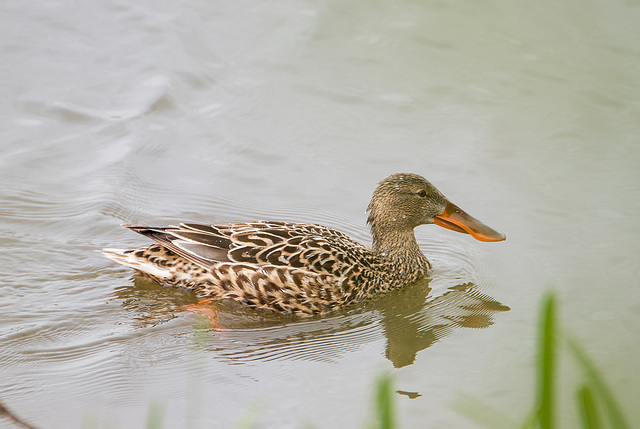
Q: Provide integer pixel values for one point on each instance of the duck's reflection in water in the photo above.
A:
(410, 320)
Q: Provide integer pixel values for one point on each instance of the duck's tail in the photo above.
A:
(138, 260)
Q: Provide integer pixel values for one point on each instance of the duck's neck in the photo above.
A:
(400, 247)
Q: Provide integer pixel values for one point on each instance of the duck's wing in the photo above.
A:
(309, 247)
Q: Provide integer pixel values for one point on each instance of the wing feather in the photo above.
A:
(312, 248)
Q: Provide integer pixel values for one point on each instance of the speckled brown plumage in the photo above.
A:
(303, 269)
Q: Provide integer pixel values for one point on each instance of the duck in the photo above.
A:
(303, 269)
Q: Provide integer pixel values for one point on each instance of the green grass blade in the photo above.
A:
(615, 416)
(384, 404)
(531, 420)
(588, 409)
(546, 363)
(154, 416)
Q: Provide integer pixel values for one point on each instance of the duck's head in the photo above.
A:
(403, 201)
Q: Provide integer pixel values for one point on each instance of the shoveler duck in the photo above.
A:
(304, 269)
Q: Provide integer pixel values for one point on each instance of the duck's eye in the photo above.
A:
(422, 193)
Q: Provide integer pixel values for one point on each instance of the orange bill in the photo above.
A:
(456, 219)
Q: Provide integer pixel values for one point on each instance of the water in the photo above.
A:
(526, 116)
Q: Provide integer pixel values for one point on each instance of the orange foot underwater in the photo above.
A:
(205, 309)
